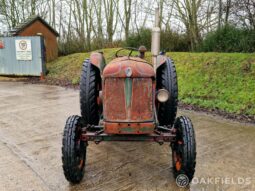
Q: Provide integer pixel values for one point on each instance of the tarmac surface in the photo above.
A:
(32, 118)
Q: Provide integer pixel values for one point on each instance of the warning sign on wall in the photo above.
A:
(23, 49)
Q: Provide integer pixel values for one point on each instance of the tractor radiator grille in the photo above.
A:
(128, 99)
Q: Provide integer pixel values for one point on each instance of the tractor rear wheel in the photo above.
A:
(184, 148)
(73, 150)
(167, 79)
(89, 92)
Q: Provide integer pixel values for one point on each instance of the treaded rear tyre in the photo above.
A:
(167, 79)
(73, 150)
(184, 148)
(89, 91)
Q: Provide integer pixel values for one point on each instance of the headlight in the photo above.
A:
(162, 95)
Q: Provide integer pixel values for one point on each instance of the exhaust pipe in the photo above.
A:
(155, 41)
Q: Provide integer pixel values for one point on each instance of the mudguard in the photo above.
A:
(98, 60)
(161, 59)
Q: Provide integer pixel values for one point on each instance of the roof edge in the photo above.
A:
(33, 20)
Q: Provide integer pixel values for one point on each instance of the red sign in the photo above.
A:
(1, 44)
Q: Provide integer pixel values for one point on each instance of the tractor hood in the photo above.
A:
(124, 67)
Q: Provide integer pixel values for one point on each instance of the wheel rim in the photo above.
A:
(80, 150)
(177, 150)
(177, 155)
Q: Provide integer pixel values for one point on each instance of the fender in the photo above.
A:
(98, 60)
(161, 59)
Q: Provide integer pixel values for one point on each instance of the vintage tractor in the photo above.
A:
(129, 99)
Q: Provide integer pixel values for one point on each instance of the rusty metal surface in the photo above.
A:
(129, 128)
(114, 99)
(166, 137)
(117, 108)
(128, 100)
(142, 99)
(97, 59)
(118, 66)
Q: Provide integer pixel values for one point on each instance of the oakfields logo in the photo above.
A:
(222, 180)
(183, 181)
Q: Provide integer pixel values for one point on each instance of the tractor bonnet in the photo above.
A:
(128, 67)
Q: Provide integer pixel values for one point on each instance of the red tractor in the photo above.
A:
(129, 99)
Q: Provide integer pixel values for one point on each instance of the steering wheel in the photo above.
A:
(125, 48)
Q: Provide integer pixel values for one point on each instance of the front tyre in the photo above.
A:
(73, 150)
(89, 92)
(184, 148)
(167, 79)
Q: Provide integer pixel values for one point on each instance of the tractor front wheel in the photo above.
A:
(184, 148)
(73, 150)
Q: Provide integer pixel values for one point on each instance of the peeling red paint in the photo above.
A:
(141, 108)
(96, 59)
(139, 67)
(129, 128)
(142, 102)
(118, 117)
(128, 99)
(114, 99)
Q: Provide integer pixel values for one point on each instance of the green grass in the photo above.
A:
(224, 81)
(69, 67)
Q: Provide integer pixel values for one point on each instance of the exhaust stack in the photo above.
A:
(155, 42)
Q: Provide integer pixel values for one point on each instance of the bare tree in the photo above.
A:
(188, 11)
(169, 15)
(220, 14)
(98, 28)
(161, 9)
(9, 10)
(125, 20)
(88, 22)
(88, 10)
(227, 7)
(244, 13)
(53, 10)
(109, 10)
(33, 6)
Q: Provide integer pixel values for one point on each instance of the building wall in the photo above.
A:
(50, 39)
(11, 65)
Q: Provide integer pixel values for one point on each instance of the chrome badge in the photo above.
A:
(128, 72)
